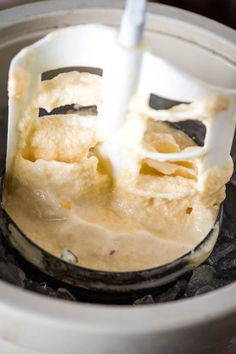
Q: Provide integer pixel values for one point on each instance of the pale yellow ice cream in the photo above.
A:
(63, 194)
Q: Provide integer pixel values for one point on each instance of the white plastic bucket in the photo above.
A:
(205, 324)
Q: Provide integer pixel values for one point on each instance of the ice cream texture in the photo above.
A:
(114, 210)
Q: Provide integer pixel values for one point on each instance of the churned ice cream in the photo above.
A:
(65, 193)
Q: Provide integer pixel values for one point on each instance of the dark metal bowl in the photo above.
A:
(115, 284)
(103, 281)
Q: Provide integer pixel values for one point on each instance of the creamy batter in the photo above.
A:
(63, 194)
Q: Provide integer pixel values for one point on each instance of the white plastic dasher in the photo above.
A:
(130, 75)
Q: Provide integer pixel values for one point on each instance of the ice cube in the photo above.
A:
(229, 261)
(173, 293)
(205, 289)
(201, 276)
(63, 293)
(147, 299)
(221, 251)
(12, 274)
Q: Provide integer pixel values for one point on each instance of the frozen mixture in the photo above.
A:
(63, 193)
